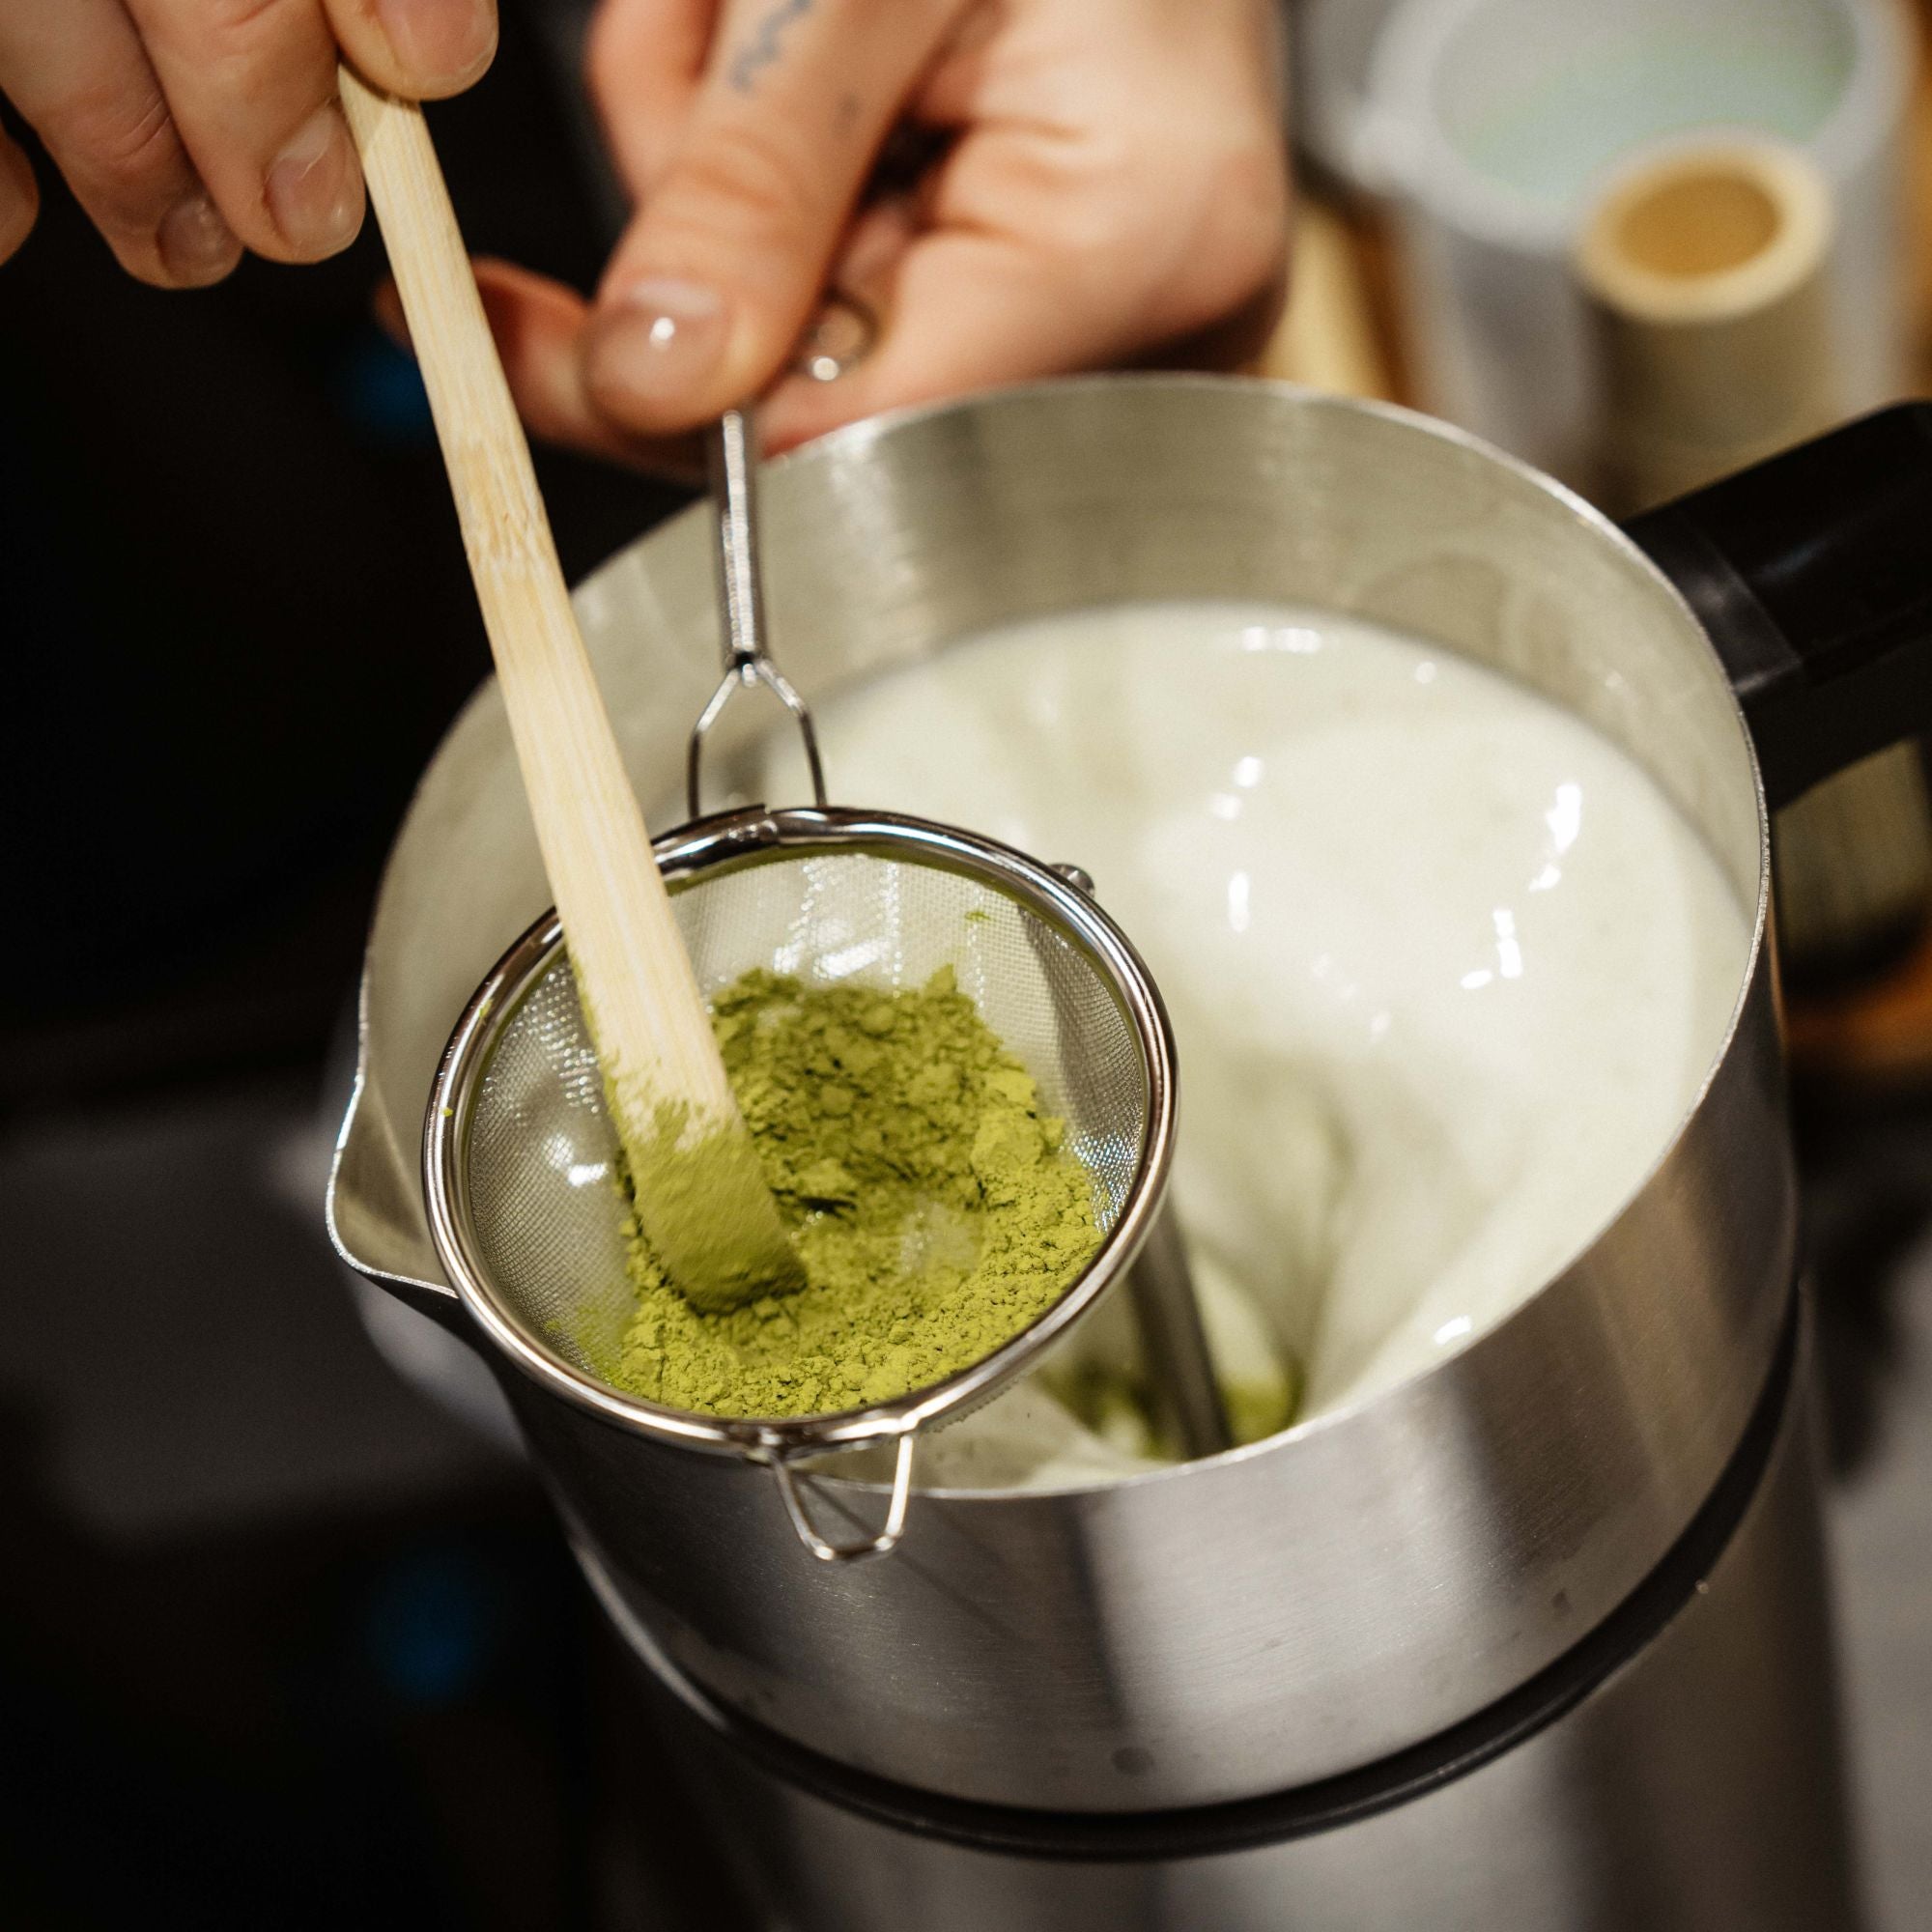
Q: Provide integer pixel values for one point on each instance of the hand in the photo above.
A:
(1108, 186)
(190, 129)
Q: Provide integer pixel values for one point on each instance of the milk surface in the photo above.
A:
(1446, 969)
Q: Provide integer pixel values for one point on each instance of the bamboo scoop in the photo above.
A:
(701, 1201)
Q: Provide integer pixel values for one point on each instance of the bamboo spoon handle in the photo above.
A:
(640, 994)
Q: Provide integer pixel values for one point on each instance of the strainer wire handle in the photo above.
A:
(849, 1552)
(741, 604)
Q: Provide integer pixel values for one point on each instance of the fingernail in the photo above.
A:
(197, 247)
(315, 188)
(441, 42)
(658, 344)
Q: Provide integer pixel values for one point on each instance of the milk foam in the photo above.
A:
(1446, 968)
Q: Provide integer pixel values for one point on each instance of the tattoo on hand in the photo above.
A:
(761, 50)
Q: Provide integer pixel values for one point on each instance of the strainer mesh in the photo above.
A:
(537, 1159)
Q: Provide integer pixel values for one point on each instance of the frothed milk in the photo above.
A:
(1446, 968)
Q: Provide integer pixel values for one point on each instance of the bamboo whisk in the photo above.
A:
(701, 1200)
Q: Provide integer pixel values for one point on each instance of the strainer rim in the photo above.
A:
(724, 842)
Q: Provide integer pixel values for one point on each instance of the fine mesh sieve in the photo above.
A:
(519, 1149)
(518, 1152)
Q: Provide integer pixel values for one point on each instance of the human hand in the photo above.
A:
(1110, 187)
(189, 130)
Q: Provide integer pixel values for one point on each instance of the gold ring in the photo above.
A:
(842, 334)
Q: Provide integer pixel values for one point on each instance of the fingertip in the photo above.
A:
(658, 356)
(314, 191)
(539, 327)
(523, 306)
(196, 246)
(385, 304)
(419, 50)
(536, 324)
(19, 198)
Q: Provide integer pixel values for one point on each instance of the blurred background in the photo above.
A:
(285, 1640)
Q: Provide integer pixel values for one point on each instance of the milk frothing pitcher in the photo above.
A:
(1574, 1560)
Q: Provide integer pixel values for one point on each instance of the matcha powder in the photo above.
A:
(932, 1202)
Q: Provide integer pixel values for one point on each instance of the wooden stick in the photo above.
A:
(701, 1201)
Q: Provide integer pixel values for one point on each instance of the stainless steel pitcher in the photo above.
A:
(1674, 1772)
(1294, 1610)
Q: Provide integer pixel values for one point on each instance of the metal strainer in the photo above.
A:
(519, 1149)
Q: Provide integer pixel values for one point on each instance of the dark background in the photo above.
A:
(280, 1645)
(235, 588)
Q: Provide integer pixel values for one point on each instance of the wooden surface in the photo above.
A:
(640, 996)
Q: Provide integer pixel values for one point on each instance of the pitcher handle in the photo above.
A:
(1812, 574)
(849, 1552)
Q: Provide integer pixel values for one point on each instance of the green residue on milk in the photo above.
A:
(1118, 1401)
(930, 1199)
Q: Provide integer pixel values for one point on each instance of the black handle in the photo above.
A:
(1812, 572)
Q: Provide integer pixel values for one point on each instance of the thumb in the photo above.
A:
(724, 264)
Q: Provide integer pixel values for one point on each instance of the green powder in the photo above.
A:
(931, 1202)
